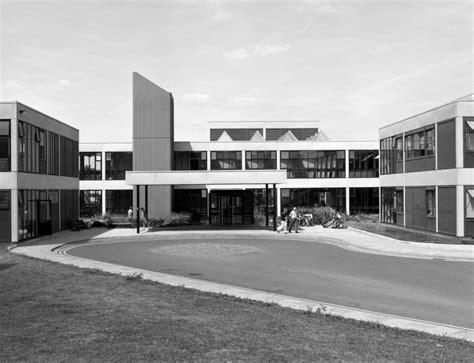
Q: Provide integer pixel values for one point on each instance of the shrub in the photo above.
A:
(172, 219)
(322, 215)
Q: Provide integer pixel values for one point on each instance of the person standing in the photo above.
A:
(293, 220)
(130, 216)
(143, 219)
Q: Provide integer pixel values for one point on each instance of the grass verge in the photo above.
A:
(52, 312)
(402, 233)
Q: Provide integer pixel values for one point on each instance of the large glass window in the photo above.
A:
(313, 164)
(116, 164)
(363, 164)
(420, 144)
(69, 150)
(90, 166)
(32, 157)
(190, 160)
(236, 134)
(314, 197)
(260, 159)
(469, 135)
(193, 201)
(222, 160)
(391, 155)
(430, 202)
(469, 200)
(118, 201)
(364, 200)
(5, 146)
(291, 134)
(53, 147)
(91, 203)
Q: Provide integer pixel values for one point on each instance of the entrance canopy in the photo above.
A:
(221, 177)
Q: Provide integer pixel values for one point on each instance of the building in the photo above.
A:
(38, 173)
(427, 170)
(246, 168)
(102, 168)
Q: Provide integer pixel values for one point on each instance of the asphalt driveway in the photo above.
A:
(431, 290)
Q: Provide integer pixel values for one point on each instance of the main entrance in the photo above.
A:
(231, 207)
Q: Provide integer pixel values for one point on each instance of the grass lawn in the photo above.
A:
(51, 312)
(401, 233)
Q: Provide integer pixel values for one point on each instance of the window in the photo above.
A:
(190, 160)
(236, 134)
(391, 154)
(363, 164)
(90, 166)
(5, 145)
(53, 147)
(420, 144)
(91, 203)
(469, 135)
(430, 203)
(4, 199)
(32, 152)
(313, 164)
(222, 160)
(260, 159)
(69, 150)
(116, 164)
(118, 201)
(399, 201)
(313, 197)
(469, 200)
(291, 134)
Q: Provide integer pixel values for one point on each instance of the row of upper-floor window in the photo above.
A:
(270, 134)
(299, 164)
(39, 150)
(417, 144)
(116, 164)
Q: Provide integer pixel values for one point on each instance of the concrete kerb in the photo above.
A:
(58, 253)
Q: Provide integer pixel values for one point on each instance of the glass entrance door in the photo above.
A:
(44, 217)
(227, 207)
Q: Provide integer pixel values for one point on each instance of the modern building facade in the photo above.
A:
(39, 182)
(427, 170)
(247, 171)
(102, 168)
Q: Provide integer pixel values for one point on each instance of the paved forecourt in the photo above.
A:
(292, 270)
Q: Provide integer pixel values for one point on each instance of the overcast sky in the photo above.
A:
(353, 65)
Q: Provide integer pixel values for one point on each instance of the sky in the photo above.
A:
(354, 66)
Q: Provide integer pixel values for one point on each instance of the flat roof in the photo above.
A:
(467, 98)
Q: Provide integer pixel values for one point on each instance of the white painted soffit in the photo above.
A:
(232, 177)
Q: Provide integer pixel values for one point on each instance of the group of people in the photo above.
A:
(295, 219)
(289, 220)
(143, 218)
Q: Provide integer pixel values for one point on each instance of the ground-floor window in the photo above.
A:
(262, 206)
(388, 213)
(364, 200)
(5, 216)
(118, 201)
(193, 201)
(469, 211)
(43, 212)
(91, 203)
(313, 197)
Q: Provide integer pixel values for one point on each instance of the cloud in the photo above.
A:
(258, 50)
(196, 98)
(218, 14)
(271, 49)
(245, 101)
(238, 53)
(64, 82)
